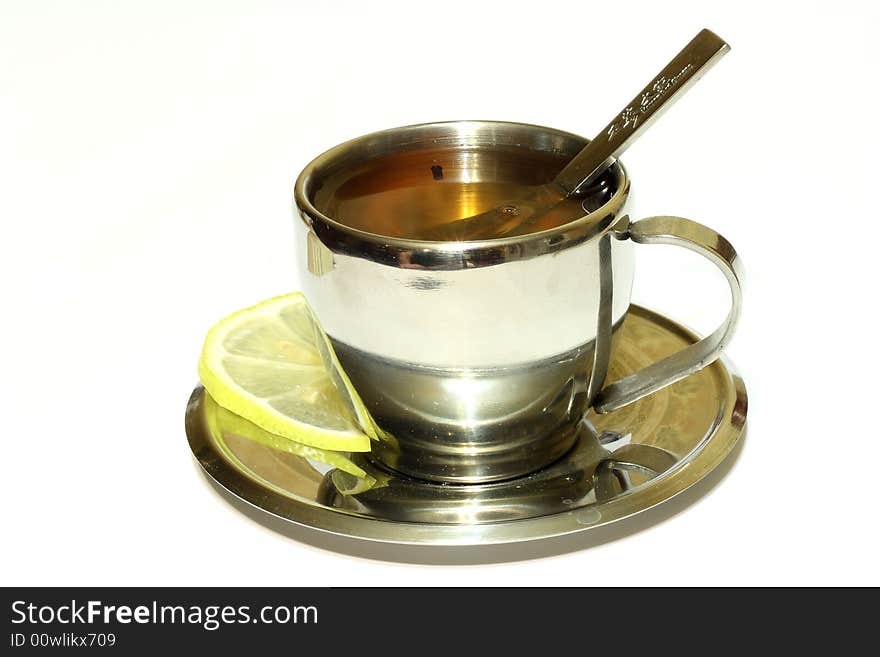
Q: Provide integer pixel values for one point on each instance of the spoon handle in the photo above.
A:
(686, 67)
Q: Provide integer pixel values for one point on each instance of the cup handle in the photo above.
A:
(705, 241)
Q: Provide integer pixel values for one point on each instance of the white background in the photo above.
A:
(147, 158)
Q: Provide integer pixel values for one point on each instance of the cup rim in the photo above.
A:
(432, 254)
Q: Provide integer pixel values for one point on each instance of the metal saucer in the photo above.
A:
(623, 463)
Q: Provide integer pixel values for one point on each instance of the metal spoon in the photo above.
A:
(686, 67)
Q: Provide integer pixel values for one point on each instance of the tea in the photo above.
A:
(407, 194)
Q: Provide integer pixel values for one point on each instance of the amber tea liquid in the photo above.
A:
(409, 193)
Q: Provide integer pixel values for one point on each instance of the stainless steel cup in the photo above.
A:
(480, 358)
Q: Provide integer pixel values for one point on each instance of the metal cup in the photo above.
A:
(481, 357)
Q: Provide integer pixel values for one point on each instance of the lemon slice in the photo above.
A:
(224, 423)
(273, 364)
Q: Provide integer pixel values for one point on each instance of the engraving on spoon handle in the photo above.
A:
(686, 68)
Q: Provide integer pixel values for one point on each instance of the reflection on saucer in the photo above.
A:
(591, 472)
